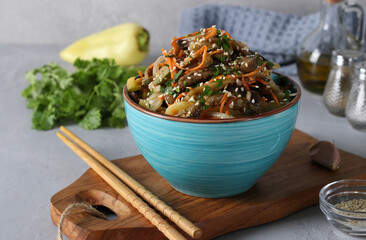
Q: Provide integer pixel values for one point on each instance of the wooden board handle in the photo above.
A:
(173, 215)
(125, 192)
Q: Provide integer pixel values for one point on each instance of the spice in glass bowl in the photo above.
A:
(357, 205)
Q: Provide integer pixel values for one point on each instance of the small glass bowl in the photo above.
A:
(346, 221)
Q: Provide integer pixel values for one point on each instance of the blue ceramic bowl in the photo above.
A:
(212, 158)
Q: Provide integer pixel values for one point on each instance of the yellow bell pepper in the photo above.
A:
(127, 43)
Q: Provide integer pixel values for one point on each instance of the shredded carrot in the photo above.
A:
(212, 33)
(180, 54)
(176, 49)
(214, 79)
(275, 98)
(203, 60)
(222, 101)
(287, 87)
(264, 99)
(175, 111)
(227, 106)
(192, 34)
(194, 55)
(262, 81)
(169, 60)
(245, 84)
(161, 97)
(173, 84)
(217, 51)
(207, 110)
(255, 71)
(151, 65)
(140, 73)
(179, 97)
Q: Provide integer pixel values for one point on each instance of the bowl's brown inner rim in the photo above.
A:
(228, 120)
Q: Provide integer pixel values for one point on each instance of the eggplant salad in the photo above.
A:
(209, 75)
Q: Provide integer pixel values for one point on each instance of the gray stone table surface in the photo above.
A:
(36, 164)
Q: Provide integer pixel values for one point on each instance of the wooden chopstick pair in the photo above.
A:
(118, 179)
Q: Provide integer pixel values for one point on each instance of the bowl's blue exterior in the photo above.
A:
(211, 160)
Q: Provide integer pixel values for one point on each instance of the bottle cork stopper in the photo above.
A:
(334, 1)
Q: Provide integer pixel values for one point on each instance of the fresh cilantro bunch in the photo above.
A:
(91, 96)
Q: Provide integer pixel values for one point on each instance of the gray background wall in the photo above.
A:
(64, 21)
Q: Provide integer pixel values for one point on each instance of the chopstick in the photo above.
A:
(125, 192)
(173, 215)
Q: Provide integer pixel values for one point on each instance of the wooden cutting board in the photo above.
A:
(292, 184)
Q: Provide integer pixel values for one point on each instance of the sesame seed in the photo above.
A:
(201, 84)
(231, 105)
(188, 77)
(242, 89)
(199, 74)
(236, 89)
(253, 101)
(239, 95)
(246, 64)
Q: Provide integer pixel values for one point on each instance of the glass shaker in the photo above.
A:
(356, 105)
(314, 54)
(339, 82)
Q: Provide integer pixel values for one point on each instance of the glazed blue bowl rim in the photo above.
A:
(228, 120)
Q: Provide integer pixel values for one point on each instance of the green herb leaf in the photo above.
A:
(268, 64)
(92, 119)
(217, 72)
(178, 75)
(219, 83)
(92, 95)
(224, 42)
(206, 91)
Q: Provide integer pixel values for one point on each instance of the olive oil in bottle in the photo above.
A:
(314, 54)
(313, 71)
